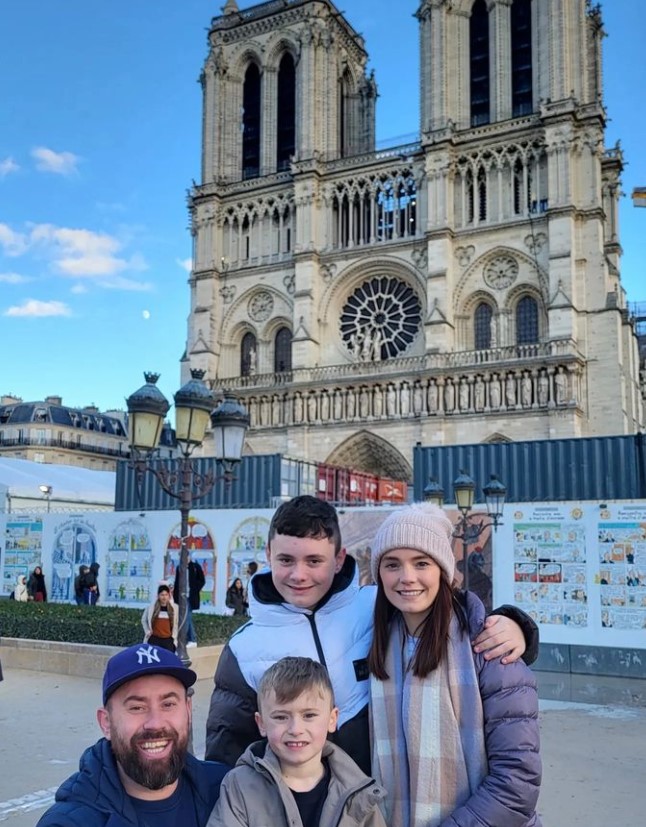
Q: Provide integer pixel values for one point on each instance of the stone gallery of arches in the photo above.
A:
(462, 288)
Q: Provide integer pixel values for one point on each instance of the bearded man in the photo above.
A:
(141, 772)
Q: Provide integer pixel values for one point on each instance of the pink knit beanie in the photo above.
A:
(422, 527)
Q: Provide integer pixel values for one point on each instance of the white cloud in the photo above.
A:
(13, 278)
(7, 166)
(78, 289)
(12, 243)
(60, 163)
(37, 309)
(185, 264)
(84, 253)
(121, 283)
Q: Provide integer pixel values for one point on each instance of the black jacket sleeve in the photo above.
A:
(230, 726)
(529, 629)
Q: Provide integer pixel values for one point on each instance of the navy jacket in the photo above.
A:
(94, 796)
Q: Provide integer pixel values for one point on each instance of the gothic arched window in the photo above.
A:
(248, 355)
(479, 61)
(345, 84)
(527, 321)
(521, 58)
(283, 350)
(482, 326)
(251, 123)
(286, 112)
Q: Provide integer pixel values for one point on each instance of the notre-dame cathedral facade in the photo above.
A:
(462, 288)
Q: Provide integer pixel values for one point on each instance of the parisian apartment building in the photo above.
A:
(463, 287)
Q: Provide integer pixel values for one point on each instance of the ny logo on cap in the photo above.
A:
(149, 652)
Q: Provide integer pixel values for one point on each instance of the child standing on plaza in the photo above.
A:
(299, 779)
(161, 619)
(455, 737)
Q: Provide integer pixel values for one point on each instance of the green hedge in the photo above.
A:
(104, 625)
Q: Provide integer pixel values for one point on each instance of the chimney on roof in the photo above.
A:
(10, 399)
(54, 400)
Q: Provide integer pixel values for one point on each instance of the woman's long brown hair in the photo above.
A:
(432, 633)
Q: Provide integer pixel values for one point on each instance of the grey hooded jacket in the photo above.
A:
(254, 794)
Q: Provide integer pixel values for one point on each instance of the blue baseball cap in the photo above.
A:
(143, 659)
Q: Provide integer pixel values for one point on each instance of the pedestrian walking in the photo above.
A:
(235, 598)
(36, 586)
(195, 584)
(90, 584)
(20, 592)
(160, 620)
(78, 584)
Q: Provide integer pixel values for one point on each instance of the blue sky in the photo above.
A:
(100, 140)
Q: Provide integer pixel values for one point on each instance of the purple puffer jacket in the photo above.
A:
(508, 794)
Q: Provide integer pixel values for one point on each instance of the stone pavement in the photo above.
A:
(593, 754)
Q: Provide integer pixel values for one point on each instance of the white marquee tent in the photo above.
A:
(71, 488)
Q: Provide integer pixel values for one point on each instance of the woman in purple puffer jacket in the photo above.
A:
(455, 739)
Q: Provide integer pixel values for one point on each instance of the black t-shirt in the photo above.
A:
(179, 808)
(310, 803)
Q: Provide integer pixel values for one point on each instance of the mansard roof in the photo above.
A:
(47, 413)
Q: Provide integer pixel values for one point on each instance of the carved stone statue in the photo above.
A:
(526, 390)
(543, 389)
(449, 396)
(325, 406)
(276, 411)
(253, 361)
(311, 407)
(366, 347)
(432, 396)
(264, 411)
(338, 404)
(364, 403)
(378, 401)
(464, 395)
(494, 392)
(404, 399)
(418, 399)
(391, 401)
(351, 404)
(298, 408)
(479, 394)
(560, 384)
(510, 390)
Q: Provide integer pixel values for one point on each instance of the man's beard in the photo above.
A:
(150, 773)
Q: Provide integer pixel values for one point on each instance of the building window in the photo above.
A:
(345, 84)
(482, 326)
(248, 355)
(251, 123)
(479, 56)
(381, 319)
(521, 58)
(286, 115)
(527, 321)
(283, 350)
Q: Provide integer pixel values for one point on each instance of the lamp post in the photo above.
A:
(147, 409)
(47, 491)
(470, 526)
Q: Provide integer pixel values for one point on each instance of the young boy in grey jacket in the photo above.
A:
(298, 777)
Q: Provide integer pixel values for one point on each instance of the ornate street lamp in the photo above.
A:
(46, 490)
(470, 526)
(181, 479)
(434, 493)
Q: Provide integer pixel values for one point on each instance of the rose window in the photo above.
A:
(381, 319)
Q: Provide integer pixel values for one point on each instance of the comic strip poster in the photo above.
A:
(550, 565)
(22, 549)
(621, 577)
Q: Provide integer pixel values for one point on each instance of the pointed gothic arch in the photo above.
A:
(365, 451)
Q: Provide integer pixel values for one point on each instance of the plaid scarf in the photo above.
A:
(428, 748)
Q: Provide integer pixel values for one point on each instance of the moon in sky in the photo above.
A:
(146, 314)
